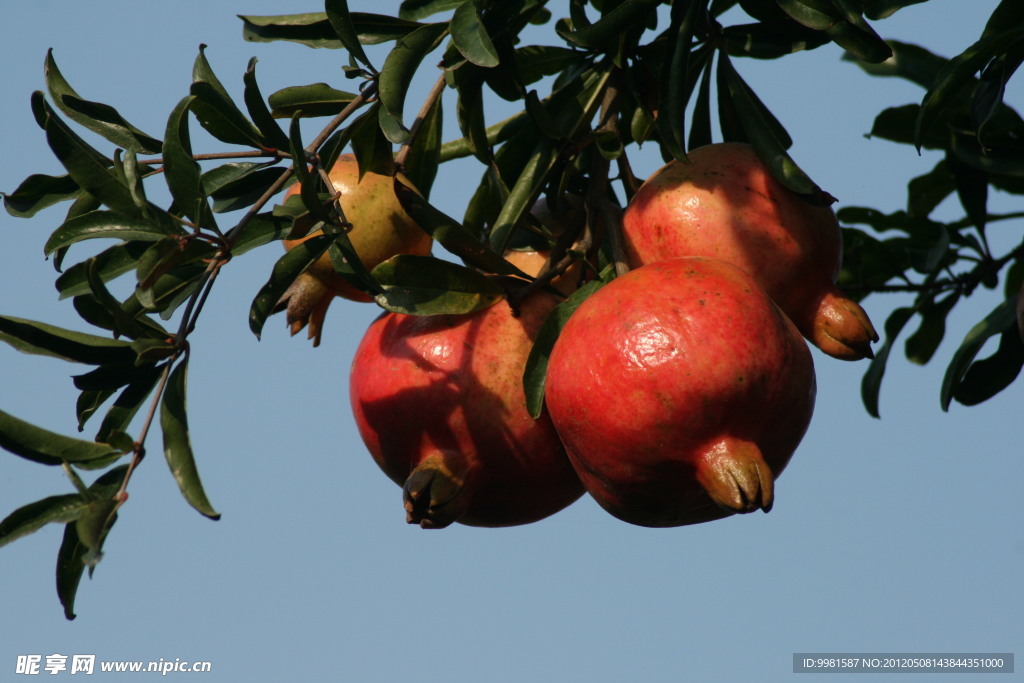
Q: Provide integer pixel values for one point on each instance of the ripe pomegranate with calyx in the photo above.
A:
(680, 391)
(439, 403)
(380, 229)
(724, 203)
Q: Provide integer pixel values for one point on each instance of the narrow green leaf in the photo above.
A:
(49, 448)
(38, 192)
(400, 66)
(1001, 318)
(523, 194)
(216, 111)
(927, 191)
(341, 21)
(871, 384)
(971, 189)
(425, 151)
(958, 73)
(370, 145)
(120, 414)
(414, 10)
(700, 131)
(184, 177)
(177, 444)
(33, 337)
(97, 117)
(987, 377)
(816, 14)
(110, 263)
(881, 9)
(452, 235)
(767, 136)
(315, 29)
(260, 114)
(425, 285)
(88, 168)
(262, 229)
(32, 517)
(604, 33)
(234, 186)
(770, 40)
(922, 344)
(316, 99)
(287, 268)
(104, 225)
(856, 35)
(74, 555)
(676, 85)
(470, 36)
(912, 62)
(535, 371)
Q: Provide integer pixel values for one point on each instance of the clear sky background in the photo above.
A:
(894, 535)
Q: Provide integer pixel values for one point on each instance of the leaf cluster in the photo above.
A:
(617, 75)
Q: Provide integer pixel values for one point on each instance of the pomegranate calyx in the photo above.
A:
(736, 477)
(436, 493)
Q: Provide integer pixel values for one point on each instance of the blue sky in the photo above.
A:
(892, 535)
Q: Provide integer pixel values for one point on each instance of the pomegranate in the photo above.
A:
(380, 230)
(680, 391)
(439, 403)
(724, 203)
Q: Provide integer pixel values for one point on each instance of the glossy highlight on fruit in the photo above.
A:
(724, 203)
(380, 229)
(680, 391)
(439, 403)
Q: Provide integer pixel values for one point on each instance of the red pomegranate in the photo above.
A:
(724, 203)
(680, 391)
(439, 403)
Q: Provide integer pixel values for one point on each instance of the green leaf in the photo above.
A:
(110, 263)
(604, 33)
(38, 338)
(121, 413)
(855, 35)
(262, 229)
(700, 131)
(184, 177)
(49, 448)
(425, 150)
(452, 235)
(317, 99)
(470, 36)
(927, 191)
(341, 21)
(273, 136)
(414, 10)
(216, 111)
(104, 225)
(958, 73)
(987, 377)
(880, 9)
(534, 62)
(675, 81)
(32, 517)
(523, 194)
(400, 66)
(287, 268)
(971, 188)
(769, 139)
(99, 118)
(922, 345)
(871, 384)
(536, 368)
(237, 186)
(177, 444)
(315, 29)
(770, 40)
(91, 170)
(912, 62)
(38, 192)
(816, 14)
(74, 555)
(1001, 318)
(425, 285)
